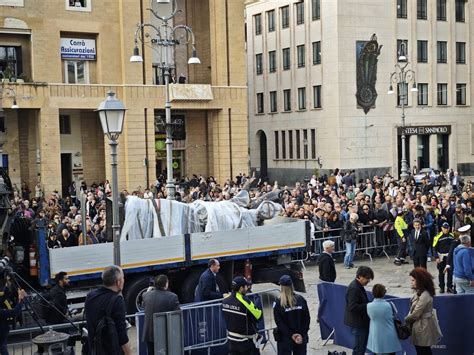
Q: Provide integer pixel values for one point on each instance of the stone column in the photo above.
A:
(50, 148)
(433, 151)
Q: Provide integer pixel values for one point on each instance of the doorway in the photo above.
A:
(263, 155)
(66, 172)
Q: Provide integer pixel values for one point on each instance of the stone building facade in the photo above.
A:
(303, 113)
(55, 136)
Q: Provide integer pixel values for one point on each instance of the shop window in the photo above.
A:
(76, 72)
(78, 5)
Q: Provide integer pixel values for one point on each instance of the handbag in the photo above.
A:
(403, 331)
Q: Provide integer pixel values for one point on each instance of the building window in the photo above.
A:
(399, 46)
(272, 61)
(271, 20)
(460, 11)
(298, 144)
(283, 144)
(316, 9)
(305, 144)
(422, 51)
(442, 52)
(286, 58)
(299, 13)
(317, 52)
(442, 94)
(460, 94)
(300, 55)
(78, 5)
(259, 64)
(441, 10)
(76, 72)
(422, 94)
(285, 17)
(64, 124)
(401, 8)
(257, 20)
(317, 96)
(313, 144)
(402, 94)
(302, 98)
(290, 143)
(10, 62)
(287, 100)
(260, 104)
(277, 146)
(460, 52)
(273, 101)
(421, 10)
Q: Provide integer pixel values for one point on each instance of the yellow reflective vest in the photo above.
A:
(400, 225)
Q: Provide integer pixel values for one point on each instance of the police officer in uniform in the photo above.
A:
(442, 244)
(450, 261)
(292, 318)
(241, 317)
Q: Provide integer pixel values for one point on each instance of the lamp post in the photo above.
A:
(402, 76)
(165, 37)
(112, 114)
(305, 156)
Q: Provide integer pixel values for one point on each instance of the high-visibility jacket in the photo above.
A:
(241, 316)
(400, 225)
(442, 242)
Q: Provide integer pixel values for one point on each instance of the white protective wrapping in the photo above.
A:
(141, 219)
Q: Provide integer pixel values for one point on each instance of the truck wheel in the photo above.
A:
(189, 286)
(134, 292)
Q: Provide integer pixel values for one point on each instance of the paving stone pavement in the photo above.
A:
(395, 278)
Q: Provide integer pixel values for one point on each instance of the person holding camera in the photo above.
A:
(6, 314)
(292, 319)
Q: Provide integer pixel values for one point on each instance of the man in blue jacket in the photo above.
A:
(207, 288)
(464, 266)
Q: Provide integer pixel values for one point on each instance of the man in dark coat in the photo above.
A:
(327, 269)
(356, 315)
(157, 300)
(207, 288)
(58, 298)
(421, 244)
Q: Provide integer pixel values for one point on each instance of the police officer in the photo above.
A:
(7, 312)
(292, 319)
(442, 244)
(450, 261)
(241, 317)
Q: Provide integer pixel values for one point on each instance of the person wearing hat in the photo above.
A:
(241, 317)
(292, 319)
(442, 244)
(465, 230)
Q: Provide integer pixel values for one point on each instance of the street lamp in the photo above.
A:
(166, 38)
(402, 76)
(305, 156)
(112, 114)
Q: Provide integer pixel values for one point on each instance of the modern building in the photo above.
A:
(58, 59)
(302, 61)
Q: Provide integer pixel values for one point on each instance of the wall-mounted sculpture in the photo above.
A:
(367, 58)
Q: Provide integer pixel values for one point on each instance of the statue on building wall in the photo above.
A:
(367, 58)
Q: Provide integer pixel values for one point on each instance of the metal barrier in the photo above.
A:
(20, 341)
(370, 239)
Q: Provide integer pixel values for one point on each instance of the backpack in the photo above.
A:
(106, 337)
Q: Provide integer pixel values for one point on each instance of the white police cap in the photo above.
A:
(465, 228)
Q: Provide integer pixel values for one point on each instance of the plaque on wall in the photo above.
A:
(367, 57)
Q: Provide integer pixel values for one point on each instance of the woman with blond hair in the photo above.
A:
(292, 319)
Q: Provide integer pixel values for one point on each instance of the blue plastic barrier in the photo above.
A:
(455, 314)
(202, 324)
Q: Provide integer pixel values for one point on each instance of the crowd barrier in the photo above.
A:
(204, 328)
(455, 314)
(372, 239)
